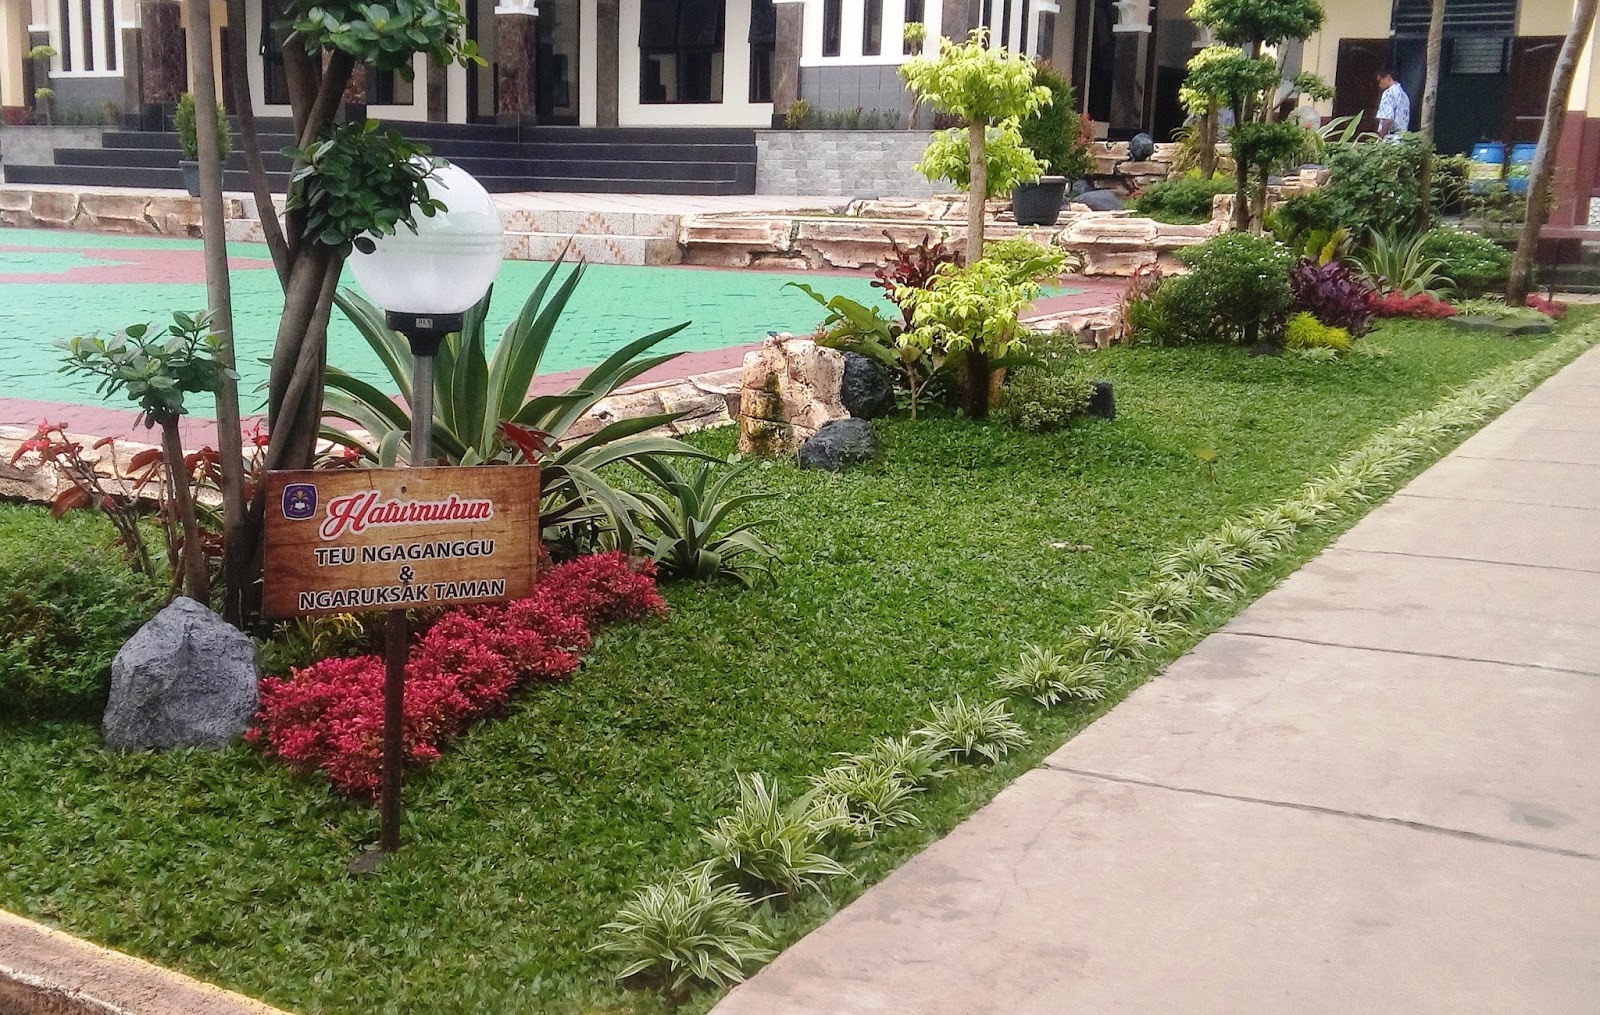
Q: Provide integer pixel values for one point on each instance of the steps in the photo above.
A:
(610, 160)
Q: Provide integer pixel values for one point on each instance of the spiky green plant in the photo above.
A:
(1248, 543)
(768, 847)
(915, 761)
(1165, 599)
(1118, 635)
(874, 796)
(688, 532)
(973, 731)
(1049, 678)
(1400, 263)
(1219, 571)
(688, 931)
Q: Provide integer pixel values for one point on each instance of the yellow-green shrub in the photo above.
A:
(1306, 332)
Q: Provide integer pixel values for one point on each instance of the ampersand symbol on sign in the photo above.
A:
(406, 574)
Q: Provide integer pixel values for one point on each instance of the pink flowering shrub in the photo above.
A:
(329, 715)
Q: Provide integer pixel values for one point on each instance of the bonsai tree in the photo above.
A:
(989, 91)
(188, 139)
(1235, 72)
(1054, 132)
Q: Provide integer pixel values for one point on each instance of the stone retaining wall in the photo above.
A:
(841, 163)
(166, 214)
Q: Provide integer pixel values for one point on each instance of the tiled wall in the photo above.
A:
(842, 163)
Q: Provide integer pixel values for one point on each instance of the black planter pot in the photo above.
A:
(1039, 204)
(191, 176)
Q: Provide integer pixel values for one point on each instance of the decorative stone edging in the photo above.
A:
(47, 972)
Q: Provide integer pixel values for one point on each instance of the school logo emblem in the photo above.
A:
(299, 501)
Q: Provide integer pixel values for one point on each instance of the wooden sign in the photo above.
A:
(350, 541)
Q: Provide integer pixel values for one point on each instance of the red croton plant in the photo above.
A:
(329, 716)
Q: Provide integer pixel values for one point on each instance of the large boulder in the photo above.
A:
(868, 388)
(787, 390)
(840, 443)
(1100, 200)
(186, 679)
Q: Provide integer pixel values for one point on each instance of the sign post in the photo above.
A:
(345, 541)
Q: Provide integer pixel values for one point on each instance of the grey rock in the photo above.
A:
(1100, 200)
(1103, 402)
(1080, 187)
(1141, 147)
(1499, 326)
(840, 443)
(868, 388)
(185, 679)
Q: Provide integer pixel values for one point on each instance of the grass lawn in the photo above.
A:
(903, 582)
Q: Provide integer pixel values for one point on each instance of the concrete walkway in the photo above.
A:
(1377, 790)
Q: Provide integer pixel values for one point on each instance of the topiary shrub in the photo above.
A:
(1476, 265)
(1185, 200)
(1040, 399)
(69, 600)
(1236, 291)
(1055, 132)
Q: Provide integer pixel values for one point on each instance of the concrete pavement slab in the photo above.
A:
(1525, 443)
(1558, 484)
(1539, 536)
(1074, 894)
(1455, 608)
(1496, 750)
(1548, 414)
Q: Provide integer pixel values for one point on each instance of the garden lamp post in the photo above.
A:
(425, 280)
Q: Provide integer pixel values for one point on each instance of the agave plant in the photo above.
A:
(693, 538)
(482, 412)
(1400, 264)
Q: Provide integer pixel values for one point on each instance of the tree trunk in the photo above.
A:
(1208, 139)
(219, 298)
(196, 582)
(1549, 139)
(1241, 190)
(975, 375)
(978, 190)
(1430, 89)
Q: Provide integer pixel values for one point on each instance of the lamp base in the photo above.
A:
(425, 332)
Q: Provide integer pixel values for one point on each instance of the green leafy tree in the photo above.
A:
(983, 88)
(1236, 72)
(156, 368)
(348, 182)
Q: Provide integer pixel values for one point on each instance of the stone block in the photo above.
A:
(854, 243)
(115, 213)
(1109, 230)
(1149, 168)
(174, 216)
(733, 240)
(789, 388)
(53, 208)
(1122, 263)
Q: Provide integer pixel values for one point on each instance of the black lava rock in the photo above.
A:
(840, 443)
(1080, 187)
(1141, 147)
(868, 388)
(1100, 200)
(1103, 403)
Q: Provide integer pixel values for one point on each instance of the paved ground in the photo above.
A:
(1375, 791)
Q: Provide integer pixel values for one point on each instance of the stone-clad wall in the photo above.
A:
(842, 163)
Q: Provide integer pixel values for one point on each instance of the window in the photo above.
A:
(680, 51)
(914, 16)
(1478, 54)
(872, 27)
(832, 27)
(763, 40)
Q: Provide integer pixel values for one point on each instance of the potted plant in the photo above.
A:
(189, 141)
(1055, 136)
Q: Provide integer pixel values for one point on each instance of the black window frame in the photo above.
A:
(832, 27)
(691, 43)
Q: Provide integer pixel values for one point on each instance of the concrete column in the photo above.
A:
(608, 52)
(515, 49)
(163, 58)
(14, 98)
(786, 58)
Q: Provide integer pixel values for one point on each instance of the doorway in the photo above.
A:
(556, 62)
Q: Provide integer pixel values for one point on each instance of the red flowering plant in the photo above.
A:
(1549, 306)
(329, 715)
(1422, 305)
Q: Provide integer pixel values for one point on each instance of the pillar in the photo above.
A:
(1576, 173)
(163, 59)
(14, 98)
(515, 63)
(786, 57)
(607, 63)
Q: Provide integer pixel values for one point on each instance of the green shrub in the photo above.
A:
(687, 932)
(69, 600)
(1477, 265)
(1040, 399)
(974, 733)
(768, 847)
(1237, 290)
(1315, 211)
(1187, 199)
(1306, 332)
(1376, 186)
(1054, 132)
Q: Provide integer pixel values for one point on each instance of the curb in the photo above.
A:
(46, 972)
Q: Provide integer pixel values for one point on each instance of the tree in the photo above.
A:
(1430, 105)
(1236, 71)
(1555, 109)
(349, 182)
(209, 136)
(988, 90)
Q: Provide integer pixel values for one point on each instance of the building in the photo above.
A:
(743, 63)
